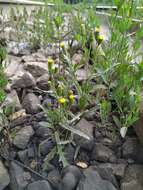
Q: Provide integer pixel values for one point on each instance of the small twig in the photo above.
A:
(44, 91)
(80, 115)
(131, 34)
(77, 118)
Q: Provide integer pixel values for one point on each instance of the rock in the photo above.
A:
(23, 155)
(107, 142)
(18, 49)
(93, 181)
(108, 175)
(39, 185)
(90, 116)
(77, 58)
(117, 169)
(132, 149)
(46, 146)
(37, 69)
(18, 178)
(87, 128)
(52, 49)
(23, 80)
(42, 82)
(70, 178)
(69, 153)
(31, 152)
(82, 75)
(20, 121)
(138, 124)
(12, 101)
(133, 178)
(40, 116)
(4, 176)
(43, 131)
(102, 153)
(84, 155)
(55, 178)
(13, 66)
(23, 136)
(8, 88)
(35, 57)
(31, 103)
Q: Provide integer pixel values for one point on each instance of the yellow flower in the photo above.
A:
(62, 100)
(62, 45)
(97, 30)
(100, 39)
(50, 61)
(71, 97)
(49, 82)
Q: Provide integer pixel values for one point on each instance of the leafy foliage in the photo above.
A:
(3, 80)
(113, 83)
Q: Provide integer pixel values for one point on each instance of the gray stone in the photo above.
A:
(77, 58)
(82, 75)
(133, 178)
(54, 177)
(43, 131)
(132, 149)
(31, 152)
(52, 49)
(19, 179)
(93, 181)
(4, 176)
(31, 103)
(117, 169)
(69, 153)
(90, 116)
(108, 175)
(8, 88)
(132, 185)
(35, 57)
(13, 66)
(18, 49)
(12, 101)
(102, 153)
(37, 69)
(23, 155)
(87, 128)
(70, 178)
(138, 124)
(23, 80)
(42, 82)
(23, 136)
(45, 146)
(39, 185)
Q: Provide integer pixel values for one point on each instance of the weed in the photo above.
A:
(112, 86)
